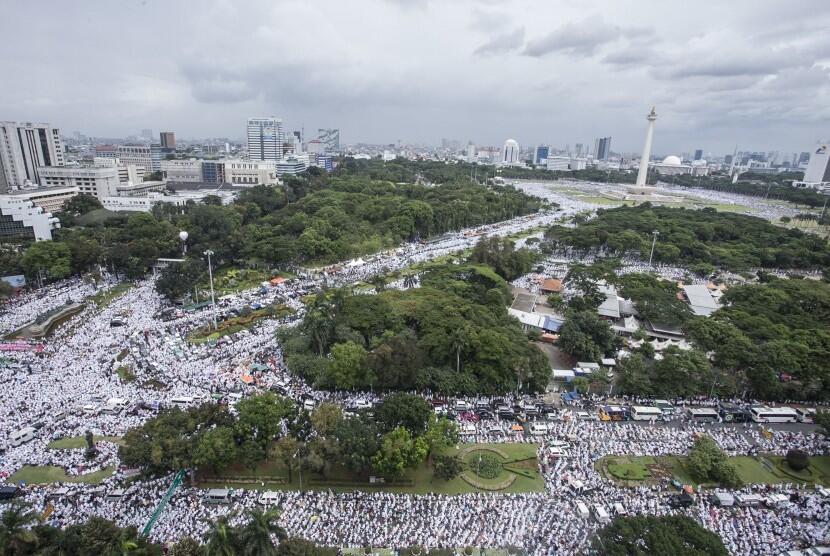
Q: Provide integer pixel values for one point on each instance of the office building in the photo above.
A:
(330, 138)
(323, 161)
(20, 219)
(510, 152)
(98, 182)
(140, 189)
(602, 148)
(541, 154)
(167, 140)
(127, 173)
(579, 151)
(698, 154)
(471, 153)
(140, 155)
(250, 172)
(578, 163)
(106, 151)
(292, 165)
(315, 146)
(265, 139)
(213, 172)
(558, 163)
(24, 148)
(182, 170)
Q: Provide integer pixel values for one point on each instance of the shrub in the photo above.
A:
(798, 460)
(485, 466)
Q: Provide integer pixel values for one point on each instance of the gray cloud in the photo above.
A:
(582, 38)
(501, 44)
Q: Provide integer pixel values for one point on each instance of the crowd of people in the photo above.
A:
(147, 358)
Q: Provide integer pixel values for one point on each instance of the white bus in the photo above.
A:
(601, 514)
(645, 413)
(182, 401)
(703, 414)
(22, 436)
(762, 414)
(218, 496)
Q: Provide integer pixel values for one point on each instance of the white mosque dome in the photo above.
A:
(511, 143)
(672, 160)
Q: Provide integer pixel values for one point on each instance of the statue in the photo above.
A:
(91, 450)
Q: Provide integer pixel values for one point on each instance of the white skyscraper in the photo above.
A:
(643, 171)
(265, 139)
(510, 152)
(25, 147)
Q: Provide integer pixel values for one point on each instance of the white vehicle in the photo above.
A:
(763, 414)
(645, 413)
(116, 494)
(91, 409)
(703, 414)
(495, 429)
(467, 429)
(118, 403)
(777, 501)
(582, 510)
(362, 404)
(619, 510)
(22, 436)
(748, 499)
(557, 452)
(664, 405)
(234, 397)
(720, 498)
(462, 405)
(182, 401)
(806, 414)
(538, 429)
(601, 515)
(583, 415)
(218, 496)
(308, 404)
(269, 498)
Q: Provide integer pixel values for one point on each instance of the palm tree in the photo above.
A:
(221, 538)
(459, 340)
(256, 535)
(15, 536)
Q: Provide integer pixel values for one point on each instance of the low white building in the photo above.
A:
(98, 182)
(292, 165)
(50, 199)
(561, 163)
(251, 172)
(579, 163)
(20, 218)
(184, 171)
(140, 189)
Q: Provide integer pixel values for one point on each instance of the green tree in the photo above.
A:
(347, 367)
(215, 448)
(49, 257)
(285, 449)
(822, 419)
(81, 204)
(15, 535)
(178, 280)
(255, 536)
(221, 539)
(358, 442)
(447, 468)
(648, 535)
(187, 546)
(325, 418)
(585, 336)
(398, 452)
(440, 434)
(409, 411)
(259, 417)
(580, 384)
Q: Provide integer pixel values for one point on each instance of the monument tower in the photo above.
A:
(643, 172)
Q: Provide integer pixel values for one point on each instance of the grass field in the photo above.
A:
(274, 476)
(44, 474)
(76, 442)
(237, 324)
(104, 298)
(231, 279)
(751, 470)
(125, 374)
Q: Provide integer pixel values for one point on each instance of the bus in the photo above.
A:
(218, 496)
(703, 414)
(762, 414)
(645, 413)
(806, 414)
(611, 413)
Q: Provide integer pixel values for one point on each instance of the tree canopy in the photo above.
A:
(646, 535)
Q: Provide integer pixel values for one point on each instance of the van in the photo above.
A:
(538, 429)
(182, 401)
(269, 498)
(582, 510)
(308, 405)
(116, 494)
(619, 510)
(22, 436)
(467, 429)
(218, 496)
(601, 515)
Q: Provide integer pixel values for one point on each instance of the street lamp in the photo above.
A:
(655, 233)
(212, 300)
(183, 235)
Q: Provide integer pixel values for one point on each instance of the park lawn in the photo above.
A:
(422, 481)
(104, 298)
(237, 324)
(125, 374)
(76, 442)
(631, 469)
(750, 469)
(229, 280)
(44, 474)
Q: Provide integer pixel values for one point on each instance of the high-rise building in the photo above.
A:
(25, 147)
(818, 170)
(139, 155)
(265, 139)
(698, 154)
(330, 138)
(542, 153)
(99, 182)
(167, 140)
(20, 219)
(510, 152)
(471, 153)
(579, 150)
(602, 148)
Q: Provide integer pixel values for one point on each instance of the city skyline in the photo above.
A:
(556, 74)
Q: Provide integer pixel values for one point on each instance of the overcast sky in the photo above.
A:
(748, 72)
